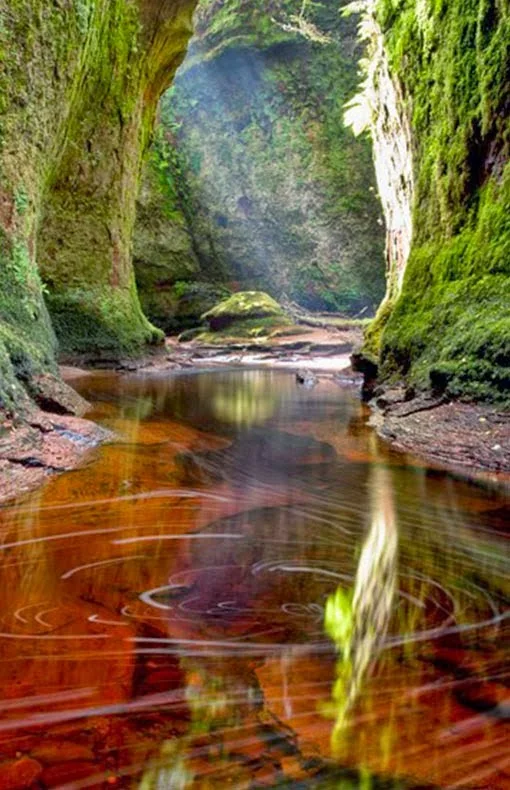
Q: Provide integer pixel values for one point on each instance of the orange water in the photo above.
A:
(163, 606)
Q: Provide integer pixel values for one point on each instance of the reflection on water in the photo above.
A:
(244, 574)
(358, 620)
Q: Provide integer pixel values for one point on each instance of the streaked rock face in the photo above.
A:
(79, 89)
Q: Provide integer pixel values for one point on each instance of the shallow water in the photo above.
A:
(249, 589)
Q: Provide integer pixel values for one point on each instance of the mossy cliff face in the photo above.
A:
(175, 285)
(79, 83)
(255, 165)
(446, 322)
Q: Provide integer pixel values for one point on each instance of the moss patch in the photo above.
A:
(451, 327)
(96, 323)
(245, 306)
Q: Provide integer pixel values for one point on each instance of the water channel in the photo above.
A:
(247, 588)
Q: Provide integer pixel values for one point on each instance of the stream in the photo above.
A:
(247, 588)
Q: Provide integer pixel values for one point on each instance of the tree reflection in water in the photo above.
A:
(357, 619)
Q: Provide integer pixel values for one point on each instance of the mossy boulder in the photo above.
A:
(245, 306)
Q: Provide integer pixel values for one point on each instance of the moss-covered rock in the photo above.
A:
(79, 85)
(254, 160)
(247, 314)
(447, 325)
(244, 306)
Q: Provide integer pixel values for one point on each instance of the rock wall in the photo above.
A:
(261, 186)
(79, 85)
(445, 322)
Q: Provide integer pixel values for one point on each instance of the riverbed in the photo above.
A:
(247, 587)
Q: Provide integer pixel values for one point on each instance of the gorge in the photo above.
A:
(80, 85)
(225, 226)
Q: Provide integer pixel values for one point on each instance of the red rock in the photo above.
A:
(61, 752)
(19, 774)
(63, 773)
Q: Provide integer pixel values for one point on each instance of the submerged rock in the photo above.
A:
(306, 378)
(256, 454)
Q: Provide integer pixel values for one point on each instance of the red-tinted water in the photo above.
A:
(163, 607)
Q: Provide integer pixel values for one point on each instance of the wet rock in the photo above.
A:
(306, 378)
(450, 433)
(53, 395)
(29, 451)
(19, 774)
(389, 397)
(127, 364)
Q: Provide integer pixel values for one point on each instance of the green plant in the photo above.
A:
(21, 201)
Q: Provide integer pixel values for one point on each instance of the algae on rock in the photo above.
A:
(446, 323)
(79, 84)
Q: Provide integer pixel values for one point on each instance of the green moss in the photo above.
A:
(374, 331)
(27, 341)
(247, 329)
(97, 322)
(242, 306)
(450, 328)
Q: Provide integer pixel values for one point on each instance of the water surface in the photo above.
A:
(249, 589)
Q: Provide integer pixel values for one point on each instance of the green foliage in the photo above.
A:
(21, 201)
(84, 9)
(20, 261)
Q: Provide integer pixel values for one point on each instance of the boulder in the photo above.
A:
(248, 308)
